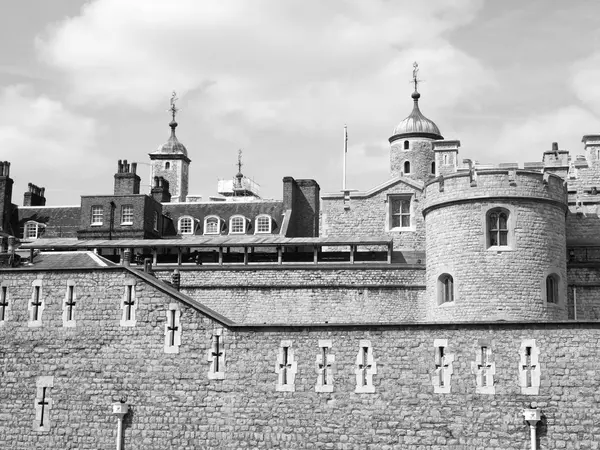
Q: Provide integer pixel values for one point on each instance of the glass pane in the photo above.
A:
(493, 221)
(395, 221)
(493, 238)
(405, 206)
(503, 237)
(405, 221)
(396, 205)
(503, 220)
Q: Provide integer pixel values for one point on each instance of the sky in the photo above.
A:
(84, 84)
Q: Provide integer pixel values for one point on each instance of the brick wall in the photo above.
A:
(174, 404)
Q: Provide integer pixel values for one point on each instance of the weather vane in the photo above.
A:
(415, 72)
(173, 109)
(240, 160)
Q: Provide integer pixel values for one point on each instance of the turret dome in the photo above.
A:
(172, 146)
(416, 124)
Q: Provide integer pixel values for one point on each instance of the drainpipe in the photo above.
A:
(574, 302)
(532, 416)
(120, 409)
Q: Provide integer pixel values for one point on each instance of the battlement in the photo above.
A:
(479, 183)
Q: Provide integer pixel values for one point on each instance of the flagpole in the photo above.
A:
(345, 151)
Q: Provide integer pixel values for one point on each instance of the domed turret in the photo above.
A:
(172, 146)
(411, 150)
(416, 124)
(170, 161)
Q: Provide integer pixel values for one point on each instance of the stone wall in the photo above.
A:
(496, 282)
(309, 295)
(368, 215)
(176, 404)
(419, 155)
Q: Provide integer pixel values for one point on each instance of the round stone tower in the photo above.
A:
(411, 149)
(496, 246)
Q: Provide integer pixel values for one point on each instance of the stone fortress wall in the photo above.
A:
(406, 392)
(495, 281)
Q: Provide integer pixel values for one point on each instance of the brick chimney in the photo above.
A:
(302, 197)
(160, 190)
(6, 185)
(35, 196)
(127, 182)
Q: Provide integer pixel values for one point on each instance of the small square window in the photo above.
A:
(32, 230)
(127, 215)
(186, 225)
(97, 215)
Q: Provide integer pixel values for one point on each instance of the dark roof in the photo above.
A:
(225, 210)
(61, 221)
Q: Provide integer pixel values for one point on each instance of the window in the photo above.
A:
(433, 168)
(97, 215)
(406, 166)
(406, 145)
(263, 224)
(127, 215)
(186, 225)
(497, 220)
(155, 221)
(445, 289)
(212, 225)
(552, 282)
(33, 230)
(167, 165)
(237, 225)
(286, 368)
(365, 368)
(399, 212)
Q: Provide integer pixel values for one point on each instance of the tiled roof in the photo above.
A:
(225, 210)
(61, 221)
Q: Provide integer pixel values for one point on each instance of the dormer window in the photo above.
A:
(212, 225)
(237, 225)
(33, 230)
(186, 225)
(263, 224)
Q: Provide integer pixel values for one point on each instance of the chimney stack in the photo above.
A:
(160, 190)
(35, 196)
(127, 182)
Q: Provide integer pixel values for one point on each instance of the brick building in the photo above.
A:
(432, 311)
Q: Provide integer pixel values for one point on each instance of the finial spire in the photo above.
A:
(239, 163)
(415, 72)
(173, 109)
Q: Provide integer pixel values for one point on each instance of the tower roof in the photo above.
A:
(416, 124)
(172, 146)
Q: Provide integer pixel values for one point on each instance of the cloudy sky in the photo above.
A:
(83, 84)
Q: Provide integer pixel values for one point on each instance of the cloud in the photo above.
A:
(527, 139)
(584, 78)
(41, 137)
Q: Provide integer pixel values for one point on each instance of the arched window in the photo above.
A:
(237, 225)
(263, 224)
(212, 225)
(406, 145)
(33, 230)
(552, 288)
(406, 166)
(433, 168)
(445, 159)
(167, 165)
(186, 225)
(497, 225)
(445, 289)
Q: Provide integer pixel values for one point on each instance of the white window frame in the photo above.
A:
(259, 228)
(32, 225)
(232, 230)
(126, 213)
(97, 216)
(219, 221)
(155, 220)
(191, 227)
(390, 215)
